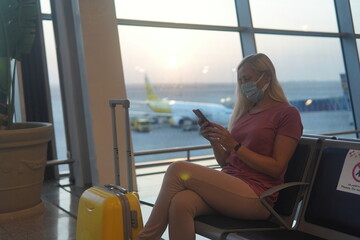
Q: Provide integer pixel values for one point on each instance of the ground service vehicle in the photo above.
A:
(141, 124)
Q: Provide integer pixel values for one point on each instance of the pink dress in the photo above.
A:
(257, 132)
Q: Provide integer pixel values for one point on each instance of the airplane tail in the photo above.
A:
(150, 94)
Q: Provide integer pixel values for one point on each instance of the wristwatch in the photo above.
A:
(236, 148)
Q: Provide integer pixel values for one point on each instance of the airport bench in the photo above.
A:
(217, 226)
(331, 208)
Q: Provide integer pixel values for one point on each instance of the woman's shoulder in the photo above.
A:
(289, 121)
(285, 109)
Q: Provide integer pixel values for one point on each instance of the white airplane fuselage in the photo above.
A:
(181, 112)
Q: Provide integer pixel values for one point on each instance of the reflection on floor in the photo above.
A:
(61, 203)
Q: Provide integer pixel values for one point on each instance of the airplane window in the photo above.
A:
(355, 12)
(209, 12)
(311, 71)
(169, 72)
(304, 15)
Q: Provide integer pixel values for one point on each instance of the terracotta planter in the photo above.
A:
(23, 153)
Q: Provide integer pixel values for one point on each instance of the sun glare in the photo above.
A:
(173, 62)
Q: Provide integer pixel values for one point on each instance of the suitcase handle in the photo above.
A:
(126, 105)
(113, 186)
(124, 102)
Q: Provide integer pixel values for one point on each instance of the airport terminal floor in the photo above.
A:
(58, 222)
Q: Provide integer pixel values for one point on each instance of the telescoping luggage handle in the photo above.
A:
(125, 104)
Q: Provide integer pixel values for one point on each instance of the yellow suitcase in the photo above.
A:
(108, 212)
(111, 212)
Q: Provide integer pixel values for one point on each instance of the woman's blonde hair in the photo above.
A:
(262, 64)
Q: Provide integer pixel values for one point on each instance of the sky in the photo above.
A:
(180, 56)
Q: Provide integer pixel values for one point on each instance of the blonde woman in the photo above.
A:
(253, 154)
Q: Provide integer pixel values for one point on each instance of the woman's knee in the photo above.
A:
(180, 168)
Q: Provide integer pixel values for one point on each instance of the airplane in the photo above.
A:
(180, 112)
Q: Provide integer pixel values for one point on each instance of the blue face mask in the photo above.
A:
(252, 92)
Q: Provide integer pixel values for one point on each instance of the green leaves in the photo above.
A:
(18, 23)
(18, 19)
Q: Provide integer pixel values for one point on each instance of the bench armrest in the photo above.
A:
(273, 190)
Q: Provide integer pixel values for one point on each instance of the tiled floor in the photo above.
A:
(58, 222)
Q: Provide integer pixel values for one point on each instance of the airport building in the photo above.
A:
(181, 55)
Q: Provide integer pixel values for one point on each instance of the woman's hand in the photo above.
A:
(216, 133)
(208, 130)
(205, 129)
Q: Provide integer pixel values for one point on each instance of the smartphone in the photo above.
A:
(200, 115)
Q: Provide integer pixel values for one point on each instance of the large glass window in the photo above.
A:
(57, 108)
(54, 83)
(312, 73)
(355, 12)
(209, 12)
(183, 66)
(305, 15)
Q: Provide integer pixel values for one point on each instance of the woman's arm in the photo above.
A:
(273, 166)
(220, 153)
(284, 148)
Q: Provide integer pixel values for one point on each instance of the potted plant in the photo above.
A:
(23, 146)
